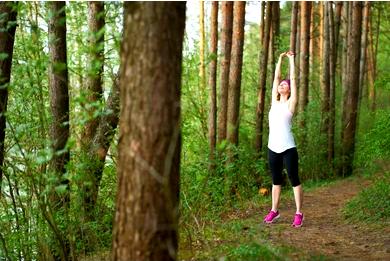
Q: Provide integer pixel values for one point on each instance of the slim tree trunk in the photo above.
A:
(371, 68)
(59, 96)
(363, 51)
(262, 22)
(262, 79)
(59, 103)
(202, 66)
(274, 43)
(294, 24)
(332, 83)
(344, 71)
(304, 57)
(146, 217)
(235, 73)
(96, 23)
(7, 39)
(94, 90)
(213, 83)
(325, 81)
(321, 33)
(226, 44)
(349, 130)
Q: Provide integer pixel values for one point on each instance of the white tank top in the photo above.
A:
(280, 136)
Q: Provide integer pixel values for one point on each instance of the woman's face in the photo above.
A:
(283, 88)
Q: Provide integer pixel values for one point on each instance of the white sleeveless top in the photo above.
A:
(280, 136)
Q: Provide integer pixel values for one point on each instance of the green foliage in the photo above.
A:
(372, 205)
(252, 251)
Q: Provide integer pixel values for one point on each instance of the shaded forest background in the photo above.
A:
(60, 142)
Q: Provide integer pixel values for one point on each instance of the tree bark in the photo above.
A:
(363, 51)
(332, 82)
(304, 57)
(202, 67)
(94, 90)
(226, 44)
(262, 22)
(59, 96)
(344, 72)
(146, 217)
(235, 74)
(213, 83)
(7, 39)
(59, 103)
(274, 42)
(294, 26)
(262, 80)
(325, 81)
(349, 126)
(98, 149)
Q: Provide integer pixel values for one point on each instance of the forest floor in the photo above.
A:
(325, 234)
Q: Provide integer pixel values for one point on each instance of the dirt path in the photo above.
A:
(325, 231)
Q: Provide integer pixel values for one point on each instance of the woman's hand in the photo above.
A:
(290, 54)
(282, 54)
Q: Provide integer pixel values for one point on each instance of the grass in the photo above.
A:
(238, 233)
(371, 204)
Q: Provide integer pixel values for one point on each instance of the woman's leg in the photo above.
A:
(276, 189)
(276, 167)
(298, 195)
(291, 160)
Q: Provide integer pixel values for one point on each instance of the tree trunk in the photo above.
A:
(202, 67)
(226, 44)
(235, 74)
(262, 80)
(59, 103)
(146, 217)
(344, 71)
(332, 82)
(371, 68)
(311, 42)
(349, 126)
(325, 81)
(294, 24)
(7, 39)
(59, 97)
(94, 91)
(213, 83)
(363, 51)
(274, 43)
(97, 151)
(262, 22)
(321, 8)
(304, 57)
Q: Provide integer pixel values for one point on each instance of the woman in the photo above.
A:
(281, 145)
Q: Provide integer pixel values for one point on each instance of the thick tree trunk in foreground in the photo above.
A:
(146, 218)
(7, 39)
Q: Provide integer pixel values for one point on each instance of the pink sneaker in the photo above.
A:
(271, 217)
(298, 220)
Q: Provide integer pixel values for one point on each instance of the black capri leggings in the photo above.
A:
(290, 159)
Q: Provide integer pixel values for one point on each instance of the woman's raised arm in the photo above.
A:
(277, 77)
(293, 86)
